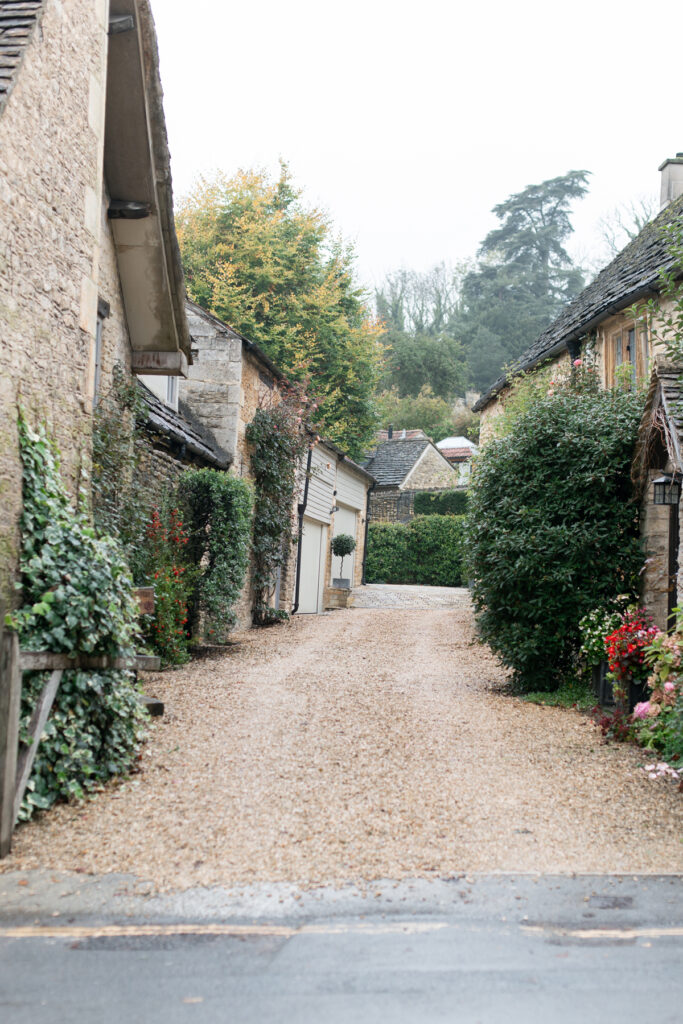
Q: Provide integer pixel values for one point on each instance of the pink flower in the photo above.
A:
(578, 362)
(669, 687)
(641, 710)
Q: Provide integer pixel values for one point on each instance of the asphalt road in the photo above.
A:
(483, 949)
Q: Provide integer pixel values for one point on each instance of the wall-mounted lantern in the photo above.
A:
(667, 490)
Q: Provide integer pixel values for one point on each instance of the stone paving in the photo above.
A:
(390, 595)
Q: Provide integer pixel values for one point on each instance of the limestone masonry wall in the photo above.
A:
(51, 137)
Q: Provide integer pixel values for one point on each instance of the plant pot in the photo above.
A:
(637, 692)
(602, 686)
(341, 584)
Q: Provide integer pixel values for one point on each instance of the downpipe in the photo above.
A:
(301, 509)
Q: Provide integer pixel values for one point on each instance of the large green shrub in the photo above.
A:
(218, 511)
(553, 526)
(77, 596)
(428, 550)
(441, 503)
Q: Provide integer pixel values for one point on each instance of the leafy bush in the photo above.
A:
(427, 551)
(77, 595)
(553, 526)
(218, 510)
(163, 559)
(441, 503)
(658, 721)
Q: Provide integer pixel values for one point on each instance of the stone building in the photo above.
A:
(459, 451)
(90, 272)
(403, 466)
(610, 322)
(230, 378)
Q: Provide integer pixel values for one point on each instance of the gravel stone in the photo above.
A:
(362, 745)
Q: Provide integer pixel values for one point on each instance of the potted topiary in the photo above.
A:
(342, 545)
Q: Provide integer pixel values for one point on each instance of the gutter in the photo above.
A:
(301, 510)
(367, 524)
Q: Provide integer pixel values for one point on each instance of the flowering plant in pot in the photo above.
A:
(342, 545)
(625, 648)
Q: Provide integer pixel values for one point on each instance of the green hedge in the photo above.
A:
(428, 551)
(441, 503)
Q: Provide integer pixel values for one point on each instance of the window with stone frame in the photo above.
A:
(627, 345)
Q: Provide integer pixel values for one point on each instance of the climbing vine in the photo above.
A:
(120, 501)
(278, 438)
(77, 596)
(218, 512)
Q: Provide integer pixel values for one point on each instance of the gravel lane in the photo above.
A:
(355, 746)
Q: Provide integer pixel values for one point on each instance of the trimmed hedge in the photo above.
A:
(442, 503)
(428, 551)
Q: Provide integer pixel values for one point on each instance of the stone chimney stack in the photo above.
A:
(672, 180)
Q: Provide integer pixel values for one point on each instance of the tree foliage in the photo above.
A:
(552, 525)
(417, 311)
(271, 267)
(426, 411)
(524, 276)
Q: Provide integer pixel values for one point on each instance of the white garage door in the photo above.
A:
(312, 555)
(345, 521)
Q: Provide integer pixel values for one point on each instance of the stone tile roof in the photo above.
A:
(182, 428)
(18, 18)
(393, 460)
(632, 275)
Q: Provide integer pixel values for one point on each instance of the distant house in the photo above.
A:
(605, 320)
(459, 451)
(402, 466)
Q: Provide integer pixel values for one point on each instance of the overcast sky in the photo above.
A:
(409, 121)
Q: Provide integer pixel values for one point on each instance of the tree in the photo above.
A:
(426, 411)
(624, 222)
(421, 349)
(258, 258)
(523, 279)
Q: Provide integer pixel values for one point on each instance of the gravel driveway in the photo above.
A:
(360, 745)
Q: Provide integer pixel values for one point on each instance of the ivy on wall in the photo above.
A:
(77, 596)
(218, 521)
(278, 440)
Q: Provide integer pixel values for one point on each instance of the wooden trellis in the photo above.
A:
(16, 760)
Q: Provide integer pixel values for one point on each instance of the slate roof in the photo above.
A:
(183, 428)
(393, 460)
(632, 275)
(18, 18)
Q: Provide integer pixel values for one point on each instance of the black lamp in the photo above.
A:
(667, 490)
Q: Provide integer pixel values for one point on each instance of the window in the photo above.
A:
(628, 346)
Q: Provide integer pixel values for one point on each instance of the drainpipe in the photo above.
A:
(301, 509)
(367, 522)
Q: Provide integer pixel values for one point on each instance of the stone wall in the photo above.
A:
(655, 580)
(431, 472)
(51, 144)
(389, 505)
(213, 386)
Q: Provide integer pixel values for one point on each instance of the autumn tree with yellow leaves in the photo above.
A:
(257, 257)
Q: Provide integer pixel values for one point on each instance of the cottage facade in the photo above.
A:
(90, 272)
(619, 320)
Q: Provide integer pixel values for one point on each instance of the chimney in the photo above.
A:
(672, 180)
(390, 432)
